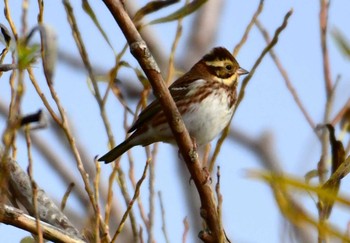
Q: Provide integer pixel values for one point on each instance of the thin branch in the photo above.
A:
(131, 203)
(162, 210)
(248, 28)
(325, 56)
(245, 83)
(99, 99)
(286, 78)
(186, 229)
(33, 185)
(205, 28)
(341, 113)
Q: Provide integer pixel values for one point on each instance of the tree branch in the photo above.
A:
(141, 52)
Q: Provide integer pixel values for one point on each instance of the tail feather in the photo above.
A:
(116, 152)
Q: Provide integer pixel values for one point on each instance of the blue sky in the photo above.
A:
(250, 212)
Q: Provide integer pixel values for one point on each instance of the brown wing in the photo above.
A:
(177, 90)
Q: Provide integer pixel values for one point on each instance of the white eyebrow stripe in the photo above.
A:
(218, 63)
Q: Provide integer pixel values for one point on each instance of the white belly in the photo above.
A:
(209, 118)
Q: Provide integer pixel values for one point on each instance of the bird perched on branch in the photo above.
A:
(206, 97)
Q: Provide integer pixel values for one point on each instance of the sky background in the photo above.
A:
(249, 210)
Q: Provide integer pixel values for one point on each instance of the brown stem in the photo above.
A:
(141, 52)
(325, 55)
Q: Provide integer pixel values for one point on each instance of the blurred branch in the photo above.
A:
(341, 113)
(162, 210)
(20, 187)
(202, 32)
(286, 78)
(141, 52)
(324, 8)
(323, 18)
(296, 215)
(85, 57)
(131, 203)
(150, 37)
(270, 45)
(15, 217)
(248, 28)
(263, 148)
(60, 166)
(245, 82)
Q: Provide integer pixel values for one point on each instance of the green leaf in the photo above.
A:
(181, 13)
(152, 7)
(343, 42)
(27, 55)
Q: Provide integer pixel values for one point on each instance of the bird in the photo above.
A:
(205, 96)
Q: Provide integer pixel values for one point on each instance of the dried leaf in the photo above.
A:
(310, 175)
(282, 185)
(181, 13)
(152, 7)
(142, 78)
(48, 50)
(288, 181)
(343, 42)
(345, 121)
(88, 10)
(338, 152)
(338, 157)
(6, 36)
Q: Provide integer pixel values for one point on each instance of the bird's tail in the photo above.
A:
(116, 152)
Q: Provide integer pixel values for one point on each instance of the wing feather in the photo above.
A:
(177, 90)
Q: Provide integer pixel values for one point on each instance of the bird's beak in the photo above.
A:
(242, 71)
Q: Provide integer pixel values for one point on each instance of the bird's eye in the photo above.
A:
(229, 67)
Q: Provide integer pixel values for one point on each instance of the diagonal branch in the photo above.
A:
(286, 78)
(141, 52)
(325, 55)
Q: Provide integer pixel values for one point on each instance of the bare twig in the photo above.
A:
(34, 186)
(323, 29)
(205, 26)
(248, 28)
(163, 217)
(9, 20)
(245, 83)
(66, 195)
(286, 78)
(186, 229)
(171, 68)
(131, 203)
(341, 113)
(99, 99)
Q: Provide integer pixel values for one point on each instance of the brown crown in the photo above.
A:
(219, 54)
